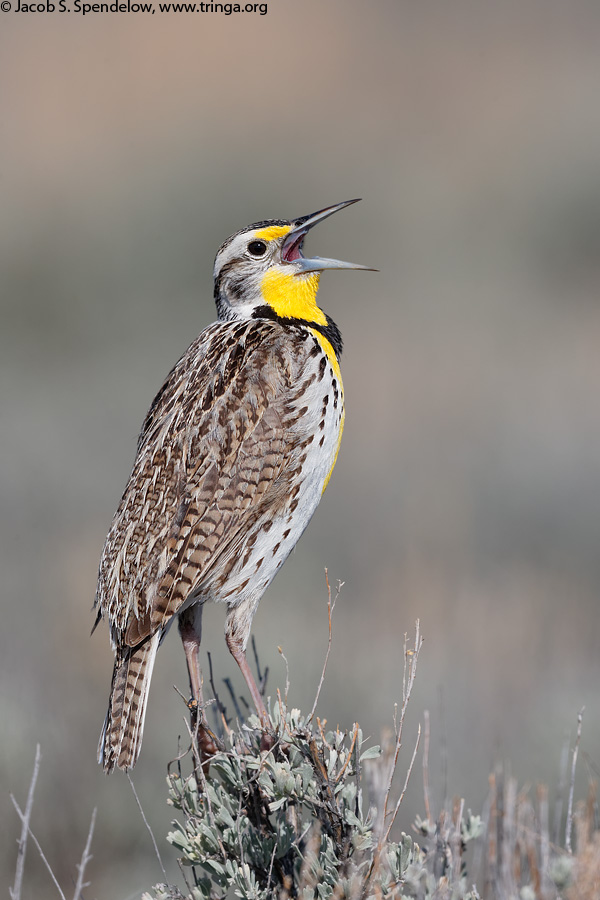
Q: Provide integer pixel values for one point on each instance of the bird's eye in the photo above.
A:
(257, 248)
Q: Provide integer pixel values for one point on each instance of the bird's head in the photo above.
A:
(264, 266)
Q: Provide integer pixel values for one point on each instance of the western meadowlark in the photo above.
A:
(233, 457)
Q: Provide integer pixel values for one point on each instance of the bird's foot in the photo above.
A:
(207, 741)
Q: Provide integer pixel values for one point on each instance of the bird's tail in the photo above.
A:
(121, 737)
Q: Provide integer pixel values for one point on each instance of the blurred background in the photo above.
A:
(467, 491)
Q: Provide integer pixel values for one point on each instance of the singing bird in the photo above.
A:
(233, 457)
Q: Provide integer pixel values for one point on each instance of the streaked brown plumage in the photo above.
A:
(231, 462)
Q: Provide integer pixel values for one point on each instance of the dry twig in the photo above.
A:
(15, 891)
(287, 676)
(39, 849)
(403, 792)
(220, 707)
(330, 607)
(569, 826)
(147, 824)
(85, 858)
(560, 794)
(411, 657)
(426, 766)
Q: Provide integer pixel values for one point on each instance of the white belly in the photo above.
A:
(278, 532)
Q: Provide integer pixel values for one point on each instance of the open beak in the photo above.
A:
(291, 249)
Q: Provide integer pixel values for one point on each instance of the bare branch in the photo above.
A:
(350, 751)
(560, 793)
(199, 774)
(234, 699)
(411, 658)
(147, 824)
(569, 827)
(85, 858)
(270, 874)
(287, 675)
(426, 766)
(406, 780)
(15, 891)
(220, 707)
(39, 849)
(262, 677)
(330, 608)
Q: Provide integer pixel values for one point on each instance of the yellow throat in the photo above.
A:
(293, 296)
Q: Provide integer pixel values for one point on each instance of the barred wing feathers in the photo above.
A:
(215, 453)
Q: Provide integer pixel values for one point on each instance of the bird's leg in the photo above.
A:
(236, 643)
(190, 631)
